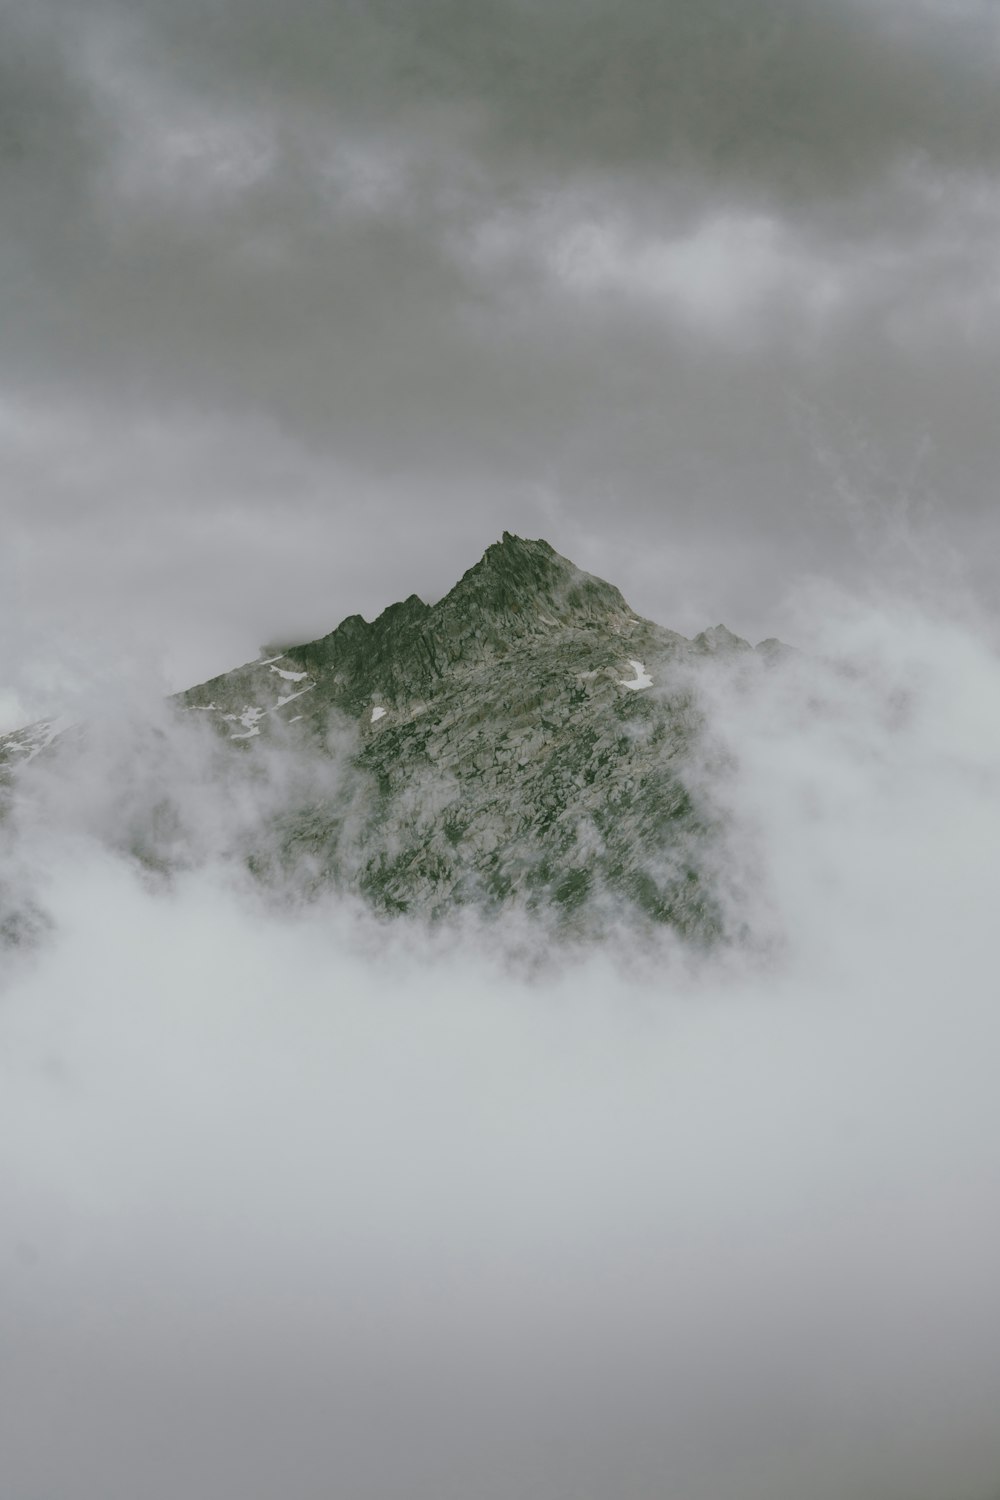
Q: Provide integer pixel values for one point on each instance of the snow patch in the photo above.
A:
(378, 713)
(642, 678)
(290, 676)
(290, 697)
(36, 738)
(248, 718)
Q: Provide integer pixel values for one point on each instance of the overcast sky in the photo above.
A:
(304, 304)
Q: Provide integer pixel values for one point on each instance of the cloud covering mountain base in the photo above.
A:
(298, 1203)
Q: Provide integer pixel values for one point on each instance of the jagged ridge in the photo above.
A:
(526, 740)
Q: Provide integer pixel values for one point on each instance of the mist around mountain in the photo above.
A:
(304, 1193)
(528, 742)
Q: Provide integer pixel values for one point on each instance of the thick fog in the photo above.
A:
(296, 1204)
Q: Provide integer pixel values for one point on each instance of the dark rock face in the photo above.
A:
(527, 741)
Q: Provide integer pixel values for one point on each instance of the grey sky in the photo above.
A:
(303, 305)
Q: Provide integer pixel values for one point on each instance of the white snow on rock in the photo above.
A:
(248, 718)
(642, 677)
(290, 676)
(38, 737)
(378, 713)
(290, 697)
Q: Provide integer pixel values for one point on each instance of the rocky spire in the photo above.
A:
(525, 583)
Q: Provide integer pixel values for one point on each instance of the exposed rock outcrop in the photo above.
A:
(528, 740)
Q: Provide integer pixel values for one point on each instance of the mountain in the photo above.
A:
(529, 741)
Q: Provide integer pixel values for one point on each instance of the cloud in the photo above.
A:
(798, 97)
(303, 311)
(295, 1201)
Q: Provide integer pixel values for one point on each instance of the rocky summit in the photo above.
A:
(529, 741)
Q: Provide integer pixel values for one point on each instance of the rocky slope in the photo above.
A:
(529, 741)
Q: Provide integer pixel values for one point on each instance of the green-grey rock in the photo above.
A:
(528, 741)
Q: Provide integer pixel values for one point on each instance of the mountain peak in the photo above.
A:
(525, 739)
(719, 641)
(512, 548)
(519, 580)
(518, 562)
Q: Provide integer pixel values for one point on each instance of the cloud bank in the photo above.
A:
(298, 1203)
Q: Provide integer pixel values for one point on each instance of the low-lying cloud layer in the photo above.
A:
(297, 1204)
